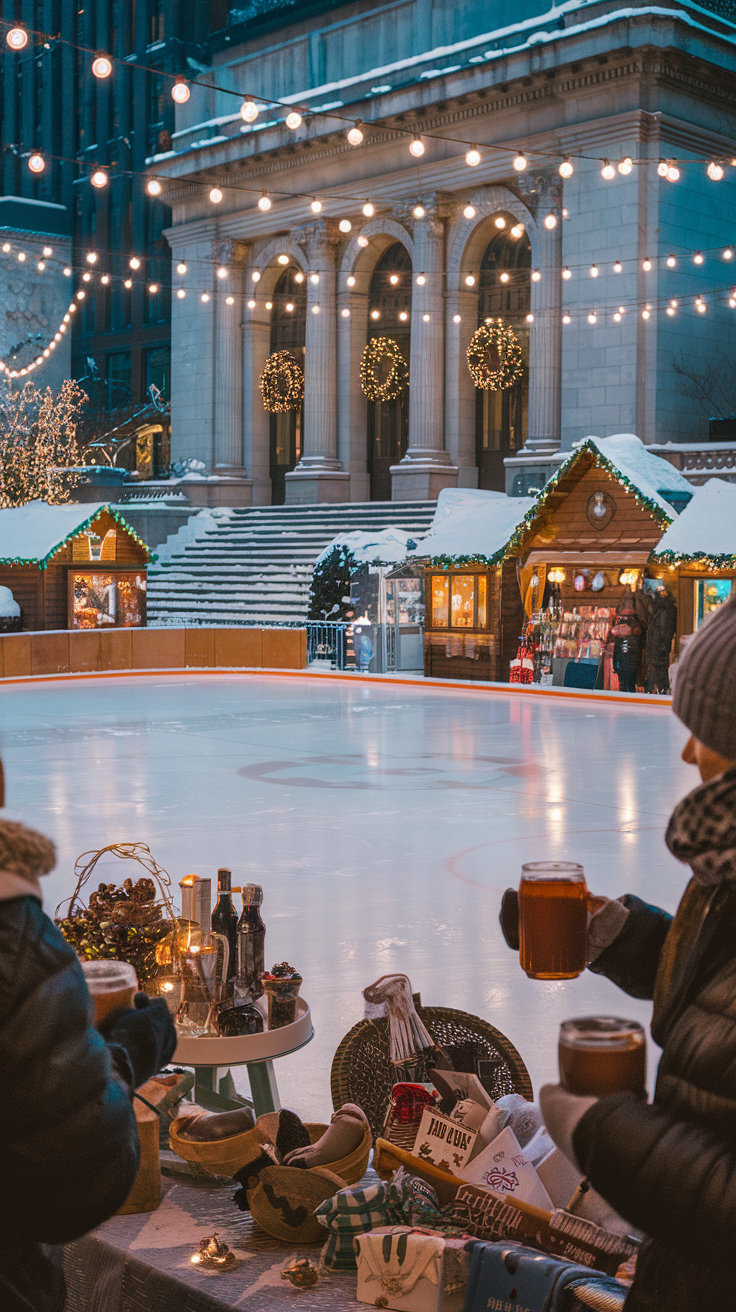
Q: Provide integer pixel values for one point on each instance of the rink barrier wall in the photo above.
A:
(96, 651)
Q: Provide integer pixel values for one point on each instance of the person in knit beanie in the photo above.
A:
(667, 1167)
(68, 1136)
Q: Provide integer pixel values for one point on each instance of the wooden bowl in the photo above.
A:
(228, 1156)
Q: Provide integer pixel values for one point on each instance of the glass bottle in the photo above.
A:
(225, 921)
(251, 941)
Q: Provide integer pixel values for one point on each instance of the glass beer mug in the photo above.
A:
(553, 920)
(600, 1055)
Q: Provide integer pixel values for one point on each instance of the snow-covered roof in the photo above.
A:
(625, 456)
(706, 527)
(32, 534)
(471, 525)
(388, 547)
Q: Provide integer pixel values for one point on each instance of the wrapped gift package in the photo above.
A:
(411, 1270)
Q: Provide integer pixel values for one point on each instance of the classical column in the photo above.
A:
(352, 410)
(256, 336)
(460, 392)
(545, 334)
(426, 468)
(228, 422)
(319, 475)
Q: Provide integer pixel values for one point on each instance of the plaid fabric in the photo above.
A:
(354, 1211)
(702, 830)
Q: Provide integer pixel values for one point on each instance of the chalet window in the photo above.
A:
(459, 601)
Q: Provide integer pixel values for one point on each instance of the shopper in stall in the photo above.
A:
(628, 638)
(662, 629)
(669, 1167)
(68, 1138)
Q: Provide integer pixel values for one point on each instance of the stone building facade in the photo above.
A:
(577, 266)
(35, 292)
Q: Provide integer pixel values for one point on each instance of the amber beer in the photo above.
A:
(553, 920)
(112, 984)
(600, 1055)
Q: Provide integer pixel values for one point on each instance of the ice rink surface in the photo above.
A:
(383, 822)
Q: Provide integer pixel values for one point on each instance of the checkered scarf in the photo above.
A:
(702, 830)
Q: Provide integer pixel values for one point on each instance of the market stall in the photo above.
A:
(73, 566)
(474, 613)
(586, 569)
(696, 557)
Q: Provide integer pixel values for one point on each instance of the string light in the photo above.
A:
(362, 241)
(249, 110)
(530, 318)
(674, 304)
(215, 195)
(673, 173)
(662, 168)
(592, 318)
(566, 318)
(470, 281)
(36, 163)
(153, 288)
(316, 206)
(344, 225)
(205, 297)
(22, 257)
(41, 266)
(670, 310)
(293, 120)
(181, 267)
(345, 313)
(6, 246)
(617, 317)
(417, 147)
(456, 318)
(671, 261)
(102, 66)
(517, 230)
(566, 273)
(99, 178)
(472, 157)
(269, 305)
(222, 272)
(504, 277)
(425, 317)
(645, 314)
(314, 278)
(315, 309)
(714, 171)
(17, 38)
(394, 279)
(230, 300)
(500, 221)
(264, 201)
(255, 276)
(419, 212)
(521, 162)
(618, 267)
(128, 283)
(180, 91)
(550, 221)
(86, 277)
(181, 293)
(536, 275)
(728, 253)
(369, 210)
(251, 305)
(608, 171)
(421, 279)
(565, 169)
(403, 316)
(625, 165)
(153, 187)
(47, 252)
(375, 314)
(469, 212)
(647, 264)
(697, 258)
(355, 135)
(594, 270)
(700, 306)
(350, 280)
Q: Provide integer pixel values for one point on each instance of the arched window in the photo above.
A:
(388, 421)
(505, 293)
(288, 325)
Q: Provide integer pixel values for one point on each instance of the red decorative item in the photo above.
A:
(403, 1116)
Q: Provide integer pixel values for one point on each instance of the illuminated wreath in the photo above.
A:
(282, 383)
(383, 370)
(494, 357)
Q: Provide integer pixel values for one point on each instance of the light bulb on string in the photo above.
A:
(180, 91)
(67, 272)
(732, 302)
(426, 318)
(316, 206)
(350, 280)
(315, 309)
(17, 38)
(504, 277)
(417, 147)
(181, 267)
(500, 221)
(608, 171)
(256, 276)
(592, 318)
(344, 225)
(153, 187)
(92, 257)
(618, 267)
(728, 253)
(520, 162)
(621, 309)
(264, 201)
(99, 178)
(36, 163)
(205, 297)
(671, 261)
(249, 110)
(566, 273)
(697, 258)
(41, 266)
(662, 168)
(345, 313)
(674, 304)
(215, 195)
(135, 263)
(153, 288)
(251, 305)
(714, 171)
(222, 272)
(472, 157)
(21, 257)
(181, 293)
(369, 210)
(403, 316)
(645, 314)
(536, 275)
(594, 270)
(565, 169)
(670, 310)
(470, 280)
(625, 165)
(293, 120)
(646, 264)
(80, 296)
(299, 277)
(230, 300)
(283, 259)
(355, 135)
(469, 212)
(673, 173)
(362, 241)
(6, 246)
(517, 230)
(314, 279)
(456, 318)
(419, 211)
(550, 221)
(102, 66)
(86, 277)
(421, 279)
(700, 306)
(375, 314)
(617, 317)
(47, 252)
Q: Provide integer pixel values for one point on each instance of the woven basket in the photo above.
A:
(362, 1071)
(227, 1156)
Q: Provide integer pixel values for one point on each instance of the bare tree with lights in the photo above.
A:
(38, 443)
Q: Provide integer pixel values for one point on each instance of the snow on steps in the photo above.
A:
(254, 566)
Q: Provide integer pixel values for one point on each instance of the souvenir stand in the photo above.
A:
(73, 566)
(473, 605)
(584, 553)
(696, 558)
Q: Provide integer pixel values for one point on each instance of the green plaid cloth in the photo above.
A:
(403, 1200)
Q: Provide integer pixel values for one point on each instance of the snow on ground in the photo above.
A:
(383, 821)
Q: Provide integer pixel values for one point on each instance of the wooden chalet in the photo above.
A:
(696, 557)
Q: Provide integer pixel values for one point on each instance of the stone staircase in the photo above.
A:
(254, 566)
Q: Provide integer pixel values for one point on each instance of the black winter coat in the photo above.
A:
(68, 1138)
(670, 1167)
(662, 629)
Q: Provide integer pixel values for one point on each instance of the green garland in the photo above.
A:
(282, 383)
(378, 350)
(86, 523)
(498, 336)
(720, 561)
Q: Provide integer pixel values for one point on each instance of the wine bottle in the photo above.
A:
(225, 922)
(251, 941)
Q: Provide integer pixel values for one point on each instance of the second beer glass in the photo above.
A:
(553, 920)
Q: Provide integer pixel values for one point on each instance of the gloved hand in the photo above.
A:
(508, 918)
(146, 1034)
(561, 1112)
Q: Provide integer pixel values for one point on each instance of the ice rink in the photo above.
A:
(383, 822)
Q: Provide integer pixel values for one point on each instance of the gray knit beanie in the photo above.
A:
(704, 695)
